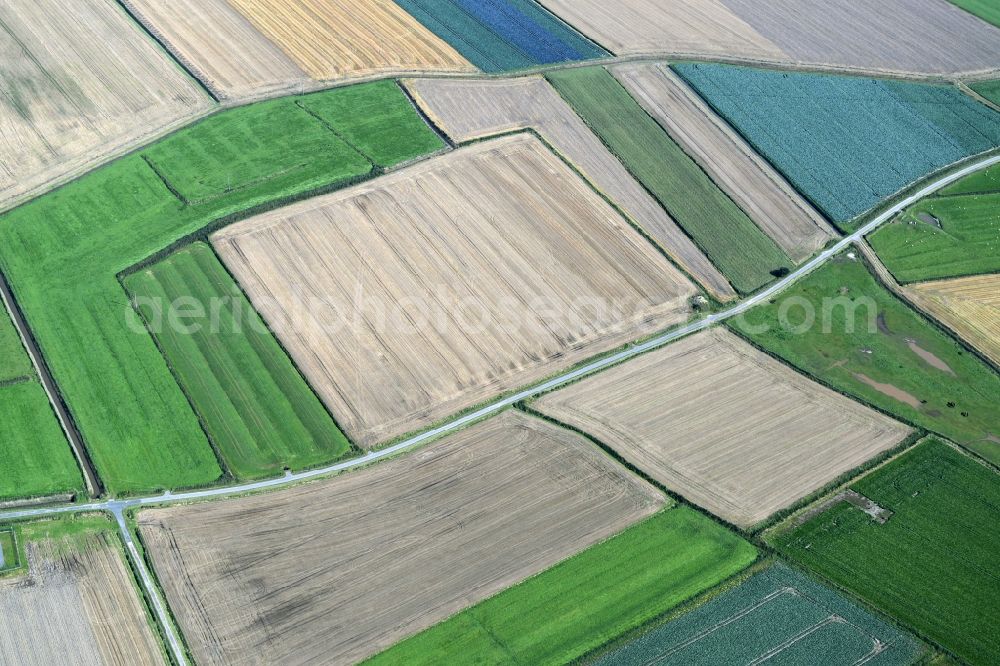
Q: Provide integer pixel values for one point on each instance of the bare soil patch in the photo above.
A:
(929, 358)
(890, 390)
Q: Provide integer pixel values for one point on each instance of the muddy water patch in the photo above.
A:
(929, 358)
(890, 390)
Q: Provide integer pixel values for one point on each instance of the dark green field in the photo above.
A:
(780, 614)
(988, 89)
(730, 239)
(934, 564)
(923, 375)
(62, 253)
(587, 600)
(257, 408)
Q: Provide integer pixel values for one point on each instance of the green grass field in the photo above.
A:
(988, 10)
(35, 458)
(778, 613)
(850, 349)
(981, 182)
(14, 361)
(62, 253)
(730, 239)
(8, 548)
(933, 564)
(988, 89)
(967, 243)
(256, 407)
(587, 600)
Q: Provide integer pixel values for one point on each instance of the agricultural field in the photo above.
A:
(221, 47)
(932, 564)
(929, 36)
(970, 306)
(986, 181)
(502, 35)
(778, 614)
(984, 9)
(14, 360)
(468, 110)
(841, 326)
(867, 140)
(336, 40)
(988, 89)
(588, 600)
(781, 212)
(256, 407)
(62, 253)
(748, 436)
(403, 545)
(9, 558)
(80, 82)
(76, 603)
(951, 235)
(445, 284)
(728, 237)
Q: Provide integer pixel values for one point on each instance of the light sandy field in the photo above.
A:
(79, 81)
(750, 181)
(413, 297)
(336, 571)
(970, 306)
(725, 425)
(77, 605)
(927, 36)
(472, 109)
(634, 27)
(220, 46)
(333, 39)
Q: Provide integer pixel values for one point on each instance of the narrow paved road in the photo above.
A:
(117, 507)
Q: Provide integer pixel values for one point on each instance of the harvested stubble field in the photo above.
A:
(473, 109)
(847, 143)
(351, 38)
(725, 425)
(62, 252)
(339, 570)
(256, 407)
(221, 46)
(969, 306)
(779, 616)
(586, 601)
(763, 193)
(744, 253)
(933, 564)
(77, 604)
(928, 35)
(80, 81)
(867, 343)
(445, 284)
(503, 35)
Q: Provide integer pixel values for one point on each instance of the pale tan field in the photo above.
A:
(333, 39)
(750, 181)
(472, 109)
(336, 571)
(413, 297)
(970, 306)
(221, 46)
(77, 605)
(725, 425)
(80, 81)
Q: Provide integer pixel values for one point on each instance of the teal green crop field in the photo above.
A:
(952, 235)
(587, 600)
(62, 254)
(730, 239)
(872, 346)
(933, 564)
(778, 615)
(257, 409)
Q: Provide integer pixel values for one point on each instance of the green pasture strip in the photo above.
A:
(62, 254)
(585, 601)
(765, 615)
(257, 408)
(35, 458)
(8, 547)
(867, 332)
(988, 89)
(730, 239)
(915, 249)
(982, 182)
(14, 360)
(933, 564)
(988, 10)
